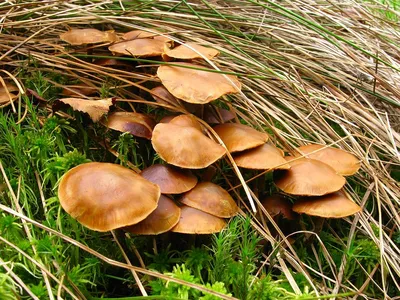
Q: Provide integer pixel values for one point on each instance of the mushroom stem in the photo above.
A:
(318, 225)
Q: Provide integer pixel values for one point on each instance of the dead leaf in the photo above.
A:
(94, 108)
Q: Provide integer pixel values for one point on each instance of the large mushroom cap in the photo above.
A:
(278, 205)
(196, 86)
(194, 221)
(137, 124)
(308, 177)
(170, 179)
(239, 137)
(343, 162)
(105, 196)
(88, 36)
(161, 220)
(139, 47)
(185, 147)
(335, 205)
(264, 157)
(185, 52)
(186, 121)
(211, 199)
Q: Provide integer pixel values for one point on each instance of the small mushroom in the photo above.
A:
(194, 221)
(105, 196)
(196, 86)
(185, 147)
(217, 115)
(187, 121)
(185, 52)
(171, 180)
(140, 34)
(264, 157)
(7, 93)
(212, 199)
(161, 220)
(277, 205)
(343, 162)
(78, 90)
(308, 177)
(335, 205)
(137, 124)
(239, 137)
(85, 36)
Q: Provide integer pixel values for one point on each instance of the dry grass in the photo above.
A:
(313, 71)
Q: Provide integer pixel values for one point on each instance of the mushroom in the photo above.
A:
(139, 47)
(7, 93)
(105, 196)
(308, 177)
(341, 161)
(196, 86)
(161, 220)
(277, 205)
(137, 124)
(79, 37)
(185, 147)
(194, 221)
(212, 199)
(186, 121)
(171, 180)
(140, 34)
(78, 90)
(185, 52)
(239, 137)
(217, 115)
(335, 205)
(264, 157)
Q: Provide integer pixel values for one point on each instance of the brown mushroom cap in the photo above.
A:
(161, 220)
(264, 157)
(335, 205)
(184, 52)
(211, 199)
(78, 90)
(137, 124)
(278, 205)
(88, 36)
(187, 121)
(196, 86)
(185, 147)
(212, 115)
(105, 196)
(140, 34)
(170, 179)
(139, 47)
(195, 221)
(343, 162)
(161, 95)
(308, 177)
(239, 137)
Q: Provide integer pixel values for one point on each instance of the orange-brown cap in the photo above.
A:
(211, 199)
(239, 137)
(196, 86)
(139, 47)
(171, 180)
(88, 36)
(140, 34)
(105, 196)
(186, 121)
(343, 162)
(195, 221)
(161, 220)
(161, 95)
(185, 52)
(185, 147)
(278, 205)
(264, 157)
(335, 205)
(308, 177)
(137, 124)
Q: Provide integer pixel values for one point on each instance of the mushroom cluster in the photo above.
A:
(168, 197)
